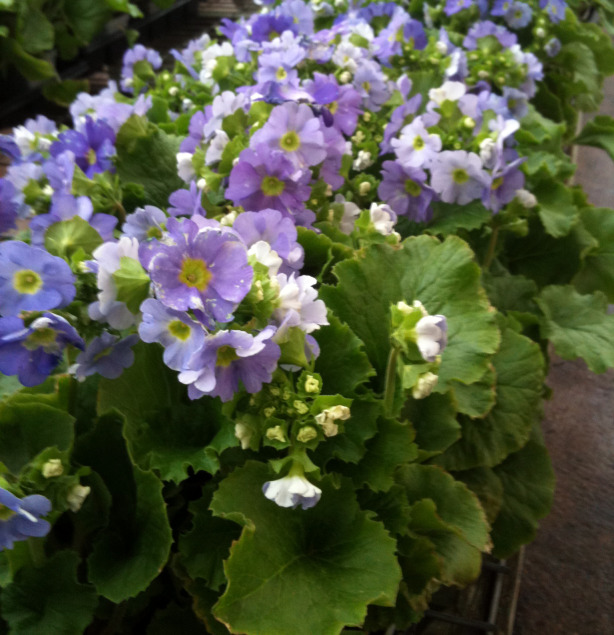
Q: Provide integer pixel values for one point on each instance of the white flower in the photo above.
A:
(261, 252)
(108, 308)
(185, 170)
(351, 212)
(298, 304)
(383, 218)
(292, 491)
(448, 91)
(432, 336)
(216, 147)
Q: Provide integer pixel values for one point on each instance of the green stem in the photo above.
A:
(490, 254)
(391, 377)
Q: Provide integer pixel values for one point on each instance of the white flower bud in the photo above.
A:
(424, 386)
(364, 188)
(53, 467)
(526, 198)
(312, 384)
(345, 77)
(441, 47)
(244, 434)
(306, 434)
(77, 496)
(173, 90)
(276, 434)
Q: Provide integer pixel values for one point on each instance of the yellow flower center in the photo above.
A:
(290, 142)
(194, 273)
(332, 107)
(281, 73)
(418, 143)
(225, 356)
(44, 338)
(272, 186)
(460, 176)
(179, 329)
(412, 188)
(497, 183)
(27, 281)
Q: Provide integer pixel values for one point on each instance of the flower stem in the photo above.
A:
(391, 376)
(490, 254)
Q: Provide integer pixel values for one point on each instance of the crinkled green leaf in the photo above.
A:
(361, 426)
(578, 326)
(485, 484)
(165, 431)
(315, 570)
(556, 207)
(434, 419)
(205, 547)
(132, 550)
(448, 218)
(86, 18)
(28, 426)
(598, 133)
(519, 368)
(342, 362)
(456, 504)
(510, 292)
(528, 488)
(146, 155)
(443, 276)
(392, 446)
(477, 399)
(597, 269)
(37, 34)
(49, 599)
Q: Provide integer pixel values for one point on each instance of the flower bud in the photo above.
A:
(77, 496)
(53, 467)
(306, 434)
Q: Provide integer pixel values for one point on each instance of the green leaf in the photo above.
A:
(217, 534)
(343, 364)
(65, 237)
(65, 92)
(176, 619)
(86, 18)
(434, 419)
(27, 427)
(443, 276)
(456, 504)
(598, 133)
(556, 207)
(324, 564)
(37, 34)
(578, 326)
(165, 431)
(125, 6)
(32, 68)
(132, 283)
(448, 218)
(597, 269)
(528, 488)
(519, 367)
(510, 292)
(485, 484)
(146, 155)
(49, 599)
(132, 550)
(391, 446)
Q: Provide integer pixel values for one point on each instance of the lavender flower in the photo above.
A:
(106, 355)
(263, 179)
(454, 6)
(518, 15)
(181, 336)
(26, 521)
(32, 279)
(298, 305)
(8, 206)
(203, 269)
(458, 177)
(416, 148)
(228, 358)
(33, 352)
(93, 147)
(133, 56)
(404, 189)
(293, 130)
(145, 223)
(270, 225)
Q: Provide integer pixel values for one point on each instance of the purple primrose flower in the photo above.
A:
(26, 520)
(106, 355)
(32, 279)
